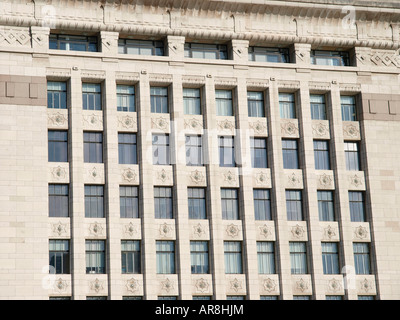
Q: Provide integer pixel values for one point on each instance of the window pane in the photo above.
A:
(230, 204)
(290, 154)
(294, 205)
(262, 204)
(199, 257)
(191, 101)
(287, 106)
(227, 152)
(163, 203)
(321, 155)
(129, 204)
(197, 203)
(255, 103)
(330, 258)
(265, 256)
(224, 104)
(357, 210)
(298, 257)
(326, 206)
(258, 149)
(127, 149)
(233, 257)
(58, 146)
(165, 257)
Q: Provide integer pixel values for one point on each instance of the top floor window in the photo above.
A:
(330, 58)
(73, 43)
(206, 51)
(261, 54)
(141, 47)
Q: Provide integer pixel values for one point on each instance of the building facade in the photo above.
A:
(199, 149)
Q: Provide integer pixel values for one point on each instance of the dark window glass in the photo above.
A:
(258, 149)
(326, 208)
(227, 152)
(93, 147)
(294, 205)
(330, 58)
(362, 261)
(357, 209)
(161, 154)
(159, 99)
(56, 95)
(94, 201)
(126, 98)
(348, 106)
(95, 256)
(197, 203)
(255, 104)
(91, 96)
(290, 154)
(163, 203)
(58, 146)
(73, 43)
(230, 204)
(127, 148)
(58, 200)
(199, 257)
(262, 204)
(141, 47)
(206, 51)
(263, 54)
(321, 155)
(130, 256)
(318, 107)
(129, 202)
(352, 154)
(59, 257)
(165, 256)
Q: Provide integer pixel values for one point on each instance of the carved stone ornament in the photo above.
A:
(159, 123)
(356, 181)
(129, 175)
(202, 285)
(236, 285)
(365, 285)
(289, 128)
(265, 231)
(59, 228)
(193, 124)
(131, 229)
(269, 285)
(351, 130)
(302, 285)
(165, 230)
(298, 231)
(232, 230)
(199, 230)
(14, 37)
(230, 177)
(94, 173)
(197, 176)
(57, 119)
(334, 285)
(226, 125)
(167, 285)
(325, 180)
(258, 126)
(59, 173)
(93, 120)
(294, 180)
(162, 175)
(127, 122)
(361, 232)
(262, 178)
(60, 285)
(329, 232)
(320, 129)
(132, 285)
(96, 229)
(96, 285)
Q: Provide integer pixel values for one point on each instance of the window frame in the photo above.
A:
(293, 203)
(93, 147)
(61, 95)
(230, 205)
(95, 206)
(281, 54)
(227, 151)
(220, 50)
(352, 157)
(235, 255)
(202, 203)
(290, 154)
(163, 203)
(341, 57)
(259, 154)
(287, 105)
(192, 102)
(349, 110)
(298, 257)
(126, 101)
(357, 206)
(266, 257)
(330, 257)
(131, 257)
(127, 150)
(157, 47)
(95, 254)
(129, 211)
(318, 108)
(322, 158)
(163, 146)
(196, 148)
(200, 255)
(92, 100)
(57, 145)
(326, 206)
(159, 99)
(258, 213)
(63, 266)
(256, 105)
(164, 254)
(56, 41)
(58, 199)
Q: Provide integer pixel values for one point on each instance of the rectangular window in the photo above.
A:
(330, 258)
(262, 204)
(127, 148)
(163, 203)
(191, 101)
(255, 104)
(159, 99)
(348, 106)
(165, 256)
(94, 201)
(230, 204)
(265, 257)
(294, 205)
(352, 155)
(93, 147)
(59, 257)
(298, 257)
(206, 51)
(130, 256)
(290, 154)
(321, 155)
(129, 202)
(56, 95)
(58, 200)
(318, 107)
(95, 256)
(161, 155)
(91, 96)
(258, 149)
(199, 257)
(263, 54)
(73, 43)
(197, 203)
(141, 47)
(58, 146)
(357, 208)
(362, 261)
(126, 98)
(227, 151)
(194, 150)
(224, 102)
(330, 58)
(326, 207)
(287, 105)
(233, 257)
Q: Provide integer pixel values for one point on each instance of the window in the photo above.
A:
(321, 155)
(361, 258)
(201, 298)
(262, 54)
(224, 102)
(165, 256)
(141, 47)
(290, 154)
(129, 202)
(326, 207)
(91, 96)
(161, 149)
(268, 297)
(194, 151)
(95, 256)
(301, 298)
(197, 203)
(126, 98)
(130, 256)
(163, 203)
(255, 104)
(258, 149)
(72, 43)
(230, 204)
(59, 258)
(333, 297)
(58, 146)
(330, 258)
(294, 206)
(330, 58)
(287, 105)
(348, 106)
(233, 257)
(56, 95)
(365, 297)
(318, 107)
(266, 257)
(127, 148)
(357, 210)
(227, 152)
(167, 298)
(235, 297)
(206, 51)
(94, 201)
(298, 257)
(132, 298)
(191, 101)
(58, 200)
(199, 257)
(262, 204)
(352, 154)
(159, 99)
(93, 147)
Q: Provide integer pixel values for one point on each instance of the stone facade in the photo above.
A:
(370, 31)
